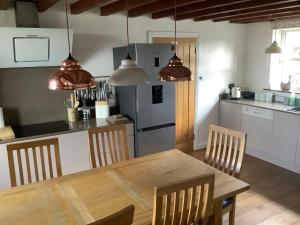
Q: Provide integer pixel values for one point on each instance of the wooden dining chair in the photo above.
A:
(33, 161)
(185, 202)
(108, 145)
(225, 151)
(123, 217)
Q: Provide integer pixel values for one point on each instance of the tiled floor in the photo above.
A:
(274, 196)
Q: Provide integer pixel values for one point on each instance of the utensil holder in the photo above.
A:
(72, 114)
(102, 109)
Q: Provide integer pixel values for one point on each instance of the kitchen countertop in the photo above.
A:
(54, 128)
(267, 105)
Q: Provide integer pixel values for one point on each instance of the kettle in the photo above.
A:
(236, 93)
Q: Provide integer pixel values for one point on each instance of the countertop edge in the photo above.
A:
(105, 123)
(282, 107)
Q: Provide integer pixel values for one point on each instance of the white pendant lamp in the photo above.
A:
(129, 73)
(274, 47)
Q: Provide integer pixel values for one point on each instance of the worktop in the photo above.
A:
(267, 105)
(34, 131)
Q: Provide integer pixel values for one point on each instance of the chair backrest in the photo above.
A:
(33, 161)
(185, 202)
(123, 217)
(108, 145)
(225, 149)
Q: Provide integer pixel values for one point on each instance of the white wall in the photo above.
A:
(258, 38)
(220, 51)
(7, 18)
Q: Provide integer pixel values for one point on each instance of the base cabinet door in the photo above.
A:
(284, 137)
(257, 123)
(230, 115)
(298, 153)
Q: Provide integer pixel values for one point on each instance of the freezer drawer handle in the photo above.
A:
(156, 127)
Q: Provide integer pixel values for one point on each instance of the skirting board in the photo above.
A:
(266, 157)
(200, 145)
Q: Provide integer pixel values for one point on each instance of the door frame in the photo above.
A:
(151, 35)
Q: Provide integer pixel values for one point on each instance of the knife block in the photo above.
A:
(102, 109)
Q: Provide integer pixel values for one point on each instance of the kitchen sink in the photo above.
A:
(294, 109)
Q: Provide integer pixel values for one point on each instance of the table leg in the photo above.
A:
(232, 212)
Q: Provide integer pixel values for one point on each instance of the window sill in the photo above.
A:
(281, 91)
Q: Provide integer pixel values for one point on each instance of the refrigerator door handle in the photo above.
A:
(156, 127)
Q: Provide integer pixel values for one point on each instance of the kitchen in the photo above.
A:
(223, 53)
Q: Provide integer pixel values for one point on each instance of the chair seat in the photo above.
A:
(227, 202)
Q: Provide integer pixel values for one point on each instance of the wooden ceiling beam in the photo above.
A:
(194, 7)
(4, 4)
(291, 15)
(265, 9)
(158, 6)
(231, 8)
(43, 5)
(120, 5)
(257, 14)
(85, 5)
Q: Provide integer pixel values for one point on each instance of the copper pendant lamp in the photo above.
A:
(175, 70)
(70, 76)
(129, 73)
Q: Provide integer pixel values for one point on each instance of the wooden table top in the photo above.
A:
(84, 197)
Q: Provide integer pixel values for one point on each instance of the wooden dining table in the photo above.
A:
(87, 196)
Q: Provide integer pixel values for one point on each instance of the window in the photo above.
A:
(286, 66)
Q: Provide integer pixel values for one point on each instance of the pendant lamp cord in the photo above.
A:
(68, 29)
(275, 30)
(175, 26)
(127, 30)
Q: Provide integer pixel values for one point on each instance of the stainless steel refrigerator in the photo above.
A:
(150, 106)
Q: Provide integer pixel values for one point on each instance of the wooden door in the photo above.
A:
(185, 93)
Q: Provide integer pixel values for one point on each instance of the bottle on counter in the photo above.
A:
(292, 99)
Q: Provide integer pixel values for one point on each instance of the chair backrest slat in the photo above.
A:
(20, 167)
(225, 149)
(188, 201)
(28, 165)
(50, 161)
(27, 159)
(123, 217)
(113, 147)
(43, 163)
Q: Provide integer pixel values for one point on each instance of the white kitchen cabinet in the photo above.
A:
(298, 153)
(74, 153)
(257, 123)
(230, 115)
(272, 135)
(284, 137)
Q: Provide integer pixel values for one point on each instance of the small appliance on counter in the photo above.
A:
(250, 95)
(6, 133)
(236, 93)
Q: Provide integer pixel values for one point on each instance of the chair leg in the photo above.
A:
(218, 214)
(232, 213)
